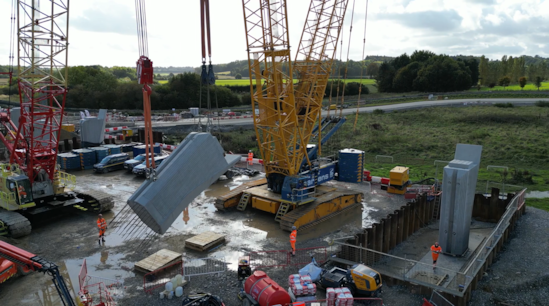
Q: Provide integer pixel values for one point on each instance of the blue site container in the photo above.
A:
(141, 150)
(68, 161)
(100, 153)
(88, 158)
(113, 149)
(351, 166)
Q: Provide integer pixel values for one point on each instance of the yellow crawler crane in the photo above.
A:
(289, 114)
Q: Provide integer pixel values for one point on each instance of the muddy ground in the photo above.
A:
(68, 239)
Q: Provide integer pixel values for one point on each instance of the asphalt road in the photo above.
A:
(369, 109)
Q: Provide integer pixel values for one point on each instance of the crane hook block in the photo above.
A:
(144, 70)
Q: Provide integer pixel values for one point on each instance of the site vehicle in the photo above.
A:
(360, 279)
(332, 107)
(30, 182)
(14, 259)
(131, 163)
(111, 163)
(141, 170)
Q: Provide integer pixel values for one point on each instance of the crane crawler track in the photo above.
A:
(16, 224)
(97, 201)
(323, 208)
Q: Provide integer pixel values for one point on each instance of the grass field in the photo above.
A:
(542, 203)
(512, 137)
(163, 82)
(544, 86)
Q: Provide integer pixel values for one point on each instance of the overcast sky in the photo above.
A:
(103, 32)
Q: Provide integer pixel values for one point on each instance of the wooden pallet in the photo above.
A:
(157, 260)
(204, 241)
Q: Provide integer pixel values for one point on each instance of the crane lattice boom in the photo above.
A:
(287, 113)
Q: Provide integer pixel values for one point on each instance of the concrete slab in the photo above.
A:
(196, 163)
(447, 265)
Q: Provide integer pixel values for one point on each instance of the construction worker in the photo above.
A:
(250, 158)
(22, 192)
(102, 225)
(435, 251)
(293, 236)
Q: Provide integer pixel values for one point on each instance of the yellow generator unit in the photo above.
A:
(360, 279)
(399, 179)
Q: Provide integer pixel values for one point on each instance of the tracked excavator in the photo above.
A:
(287, 117)
(30, 182)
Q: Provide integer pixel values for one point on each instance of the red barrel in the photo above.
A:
(385, 181)
(265, 291)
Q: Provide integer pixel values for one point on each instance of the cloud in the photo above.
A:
(510, 27)
(434, 20)
(482, 2)
(119, 20)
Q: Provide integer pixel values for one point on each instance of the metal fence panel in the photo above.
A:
(114, 286)
(203, 266)
(158, 278)
(283, 258)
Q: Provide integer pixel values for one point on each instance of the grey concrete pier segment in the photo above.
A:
(92, 129)
(458, 193)
(196, 163)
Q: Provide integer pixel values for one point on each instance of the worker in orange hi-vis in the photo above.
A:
(102, 225)
(250, 158)
(293, 237)
(22, 192)
(435, 251)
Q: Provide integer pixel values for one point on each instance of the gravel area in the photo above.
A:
(520, 276)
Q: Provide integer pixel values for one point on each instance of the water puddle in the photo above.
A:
(101, 265)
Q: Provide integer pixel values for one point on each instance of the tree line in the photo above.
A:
(425, 71)
(510, 70)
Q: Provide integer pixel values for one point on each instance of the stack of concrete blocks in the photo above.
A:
(458, 193)
(196, 163)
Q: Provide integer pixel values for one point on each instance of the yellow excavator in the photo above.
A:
(287, 117)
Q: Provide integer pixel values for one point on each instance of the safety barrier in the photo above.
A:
(203, 266)
(187, 268)
(96, 294)
(69, 180)
(478, 261)
(438, 300)
(356, 301)
(159, 277)
(283, 258)
(113, 288)
(232, 117)
(7, 197)
(402, 268)
(114, 129)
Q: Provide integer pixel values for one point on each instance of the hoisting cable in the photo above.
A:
(207, 76)
(145, 76)
(361, 67)
(347, 64)
(11, 52)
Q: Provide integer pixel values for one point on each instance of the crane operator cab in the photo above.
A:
(20, 187)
